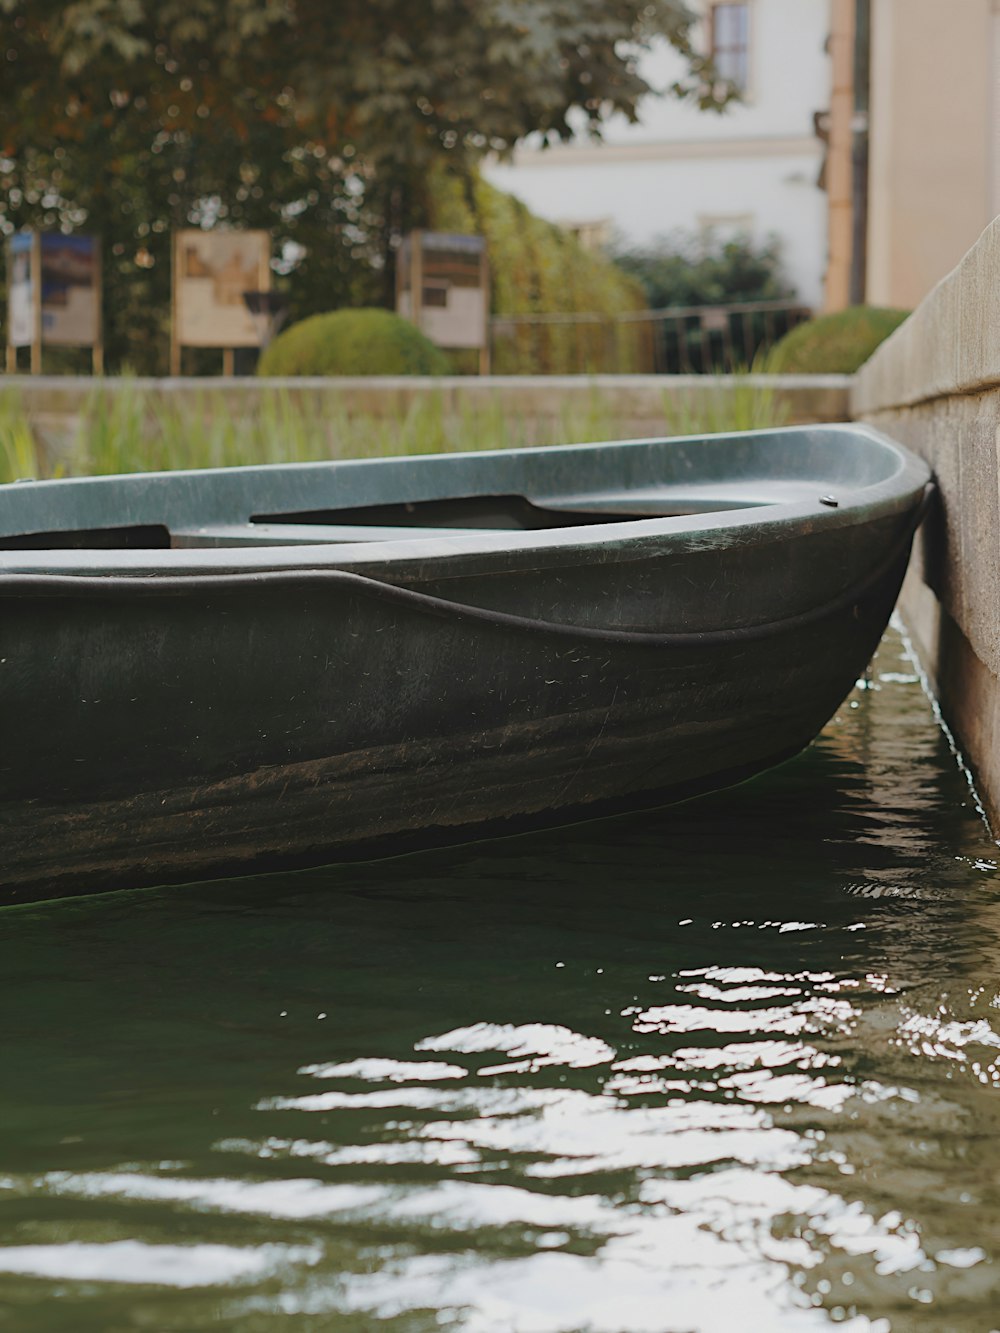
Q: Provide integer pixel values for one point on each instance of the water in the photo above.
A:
(733, 1065)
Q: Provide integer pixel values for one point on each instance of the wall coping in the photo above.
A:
(471, 384)
(949, 346)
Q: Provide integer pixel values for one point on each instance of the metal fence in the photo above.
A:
(678, 340)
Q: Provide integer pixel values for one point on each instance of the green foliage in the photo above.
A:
(399, 81)
(683, 270)
(353, 342)
(319, 122)
(19, 453)
(123, 428)
(837, 343)
(538, 268)
(133, 194)
(734, 403)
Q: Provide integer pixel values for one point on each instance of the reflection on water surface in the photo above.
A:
(733, 1064)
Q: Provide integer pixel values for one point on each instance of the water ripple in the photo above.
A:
(731, 1065)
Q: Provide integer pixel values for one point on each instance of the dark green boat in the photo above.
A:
(209, 672)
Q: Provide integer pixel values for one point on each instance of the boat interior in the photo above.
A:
(446, 517)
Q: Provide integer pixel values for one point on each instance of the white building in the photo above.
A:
(753, 168)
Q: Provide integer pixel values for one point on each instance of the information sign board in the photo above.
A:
(71, 305)
(53, 295)
(442, 285)
(212, 272)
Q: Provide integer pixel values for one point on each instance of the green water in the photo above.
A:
(728, 1066)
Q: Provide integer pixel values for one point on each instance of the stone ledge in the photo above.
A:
(950, 345)
(935, 386)
(957, 549)
(77, 387)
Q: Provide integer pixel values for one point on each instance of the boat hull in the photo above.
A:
(226, 671)
(225, 729)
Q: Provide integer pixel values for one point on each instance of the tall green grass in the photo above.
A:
(19, 453)
(737, 404)
(131, 430)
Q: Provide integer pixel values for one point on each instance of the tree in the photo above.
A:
(685, 270)
(320, 120)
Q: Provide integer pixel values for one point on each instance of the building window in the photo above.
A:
(730, 26)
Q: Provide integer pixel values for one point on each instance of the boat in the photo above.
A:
(228, 671)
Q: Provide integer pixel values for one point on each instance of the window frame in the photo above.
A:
(743, 51)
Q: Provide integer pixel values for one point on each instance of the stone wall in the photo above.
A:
(935, 386)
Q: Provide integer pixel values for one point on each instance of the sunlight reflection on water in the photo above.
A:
(729, 1065)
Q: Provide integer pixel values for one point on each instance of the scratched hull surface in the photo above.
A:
(164, 720)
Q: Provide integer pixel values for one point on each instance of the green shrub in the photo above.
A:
(353, 342)
(539, 268)
(690, 270)
(835, 344)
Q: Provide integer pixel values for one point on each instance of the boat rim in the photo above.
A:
(894, 494)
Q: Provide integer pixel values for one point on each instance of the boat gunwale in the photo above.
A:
(472, 551)
(443, 608)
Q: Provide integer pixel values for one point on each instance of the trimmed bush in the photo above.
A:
(834, 344)
(353, 342)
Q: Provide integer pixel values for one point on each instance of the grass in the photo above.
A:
(738, 405)
(18, 447)
(131, 430)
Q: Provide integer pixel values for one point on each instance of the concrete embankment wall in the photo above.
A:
(935, 386)
(636, 405)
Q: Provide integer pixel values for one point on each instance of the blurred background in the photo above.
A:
(797, 155)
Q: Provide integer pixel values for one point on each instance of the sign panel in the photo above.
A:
(212, 270)
(20, 291)
(71, 300)
(443, 287)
